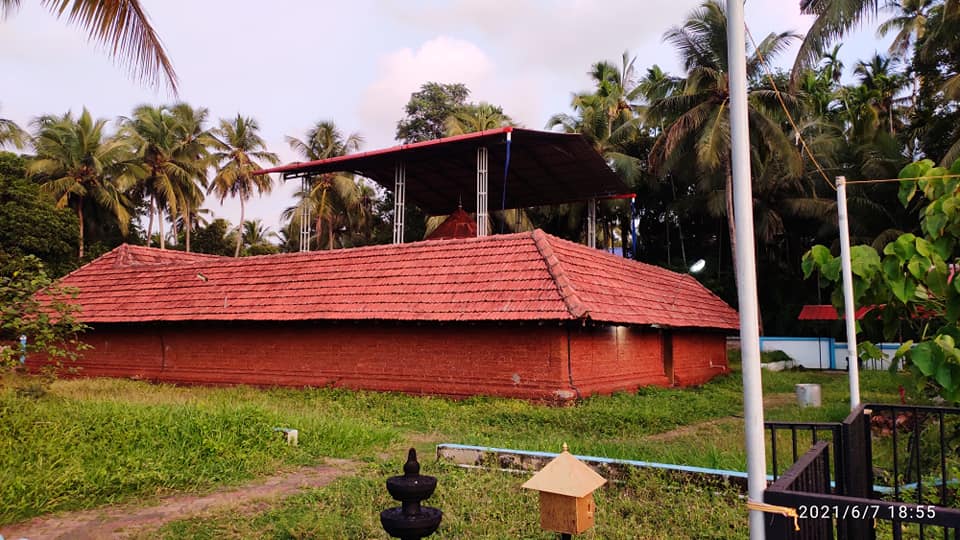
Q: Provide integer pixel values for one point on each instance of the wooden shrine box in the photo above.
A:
(566, 487)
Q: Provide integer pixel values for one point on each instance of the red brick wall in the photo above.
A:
(611, 358)
(528, 361)
(698, 356)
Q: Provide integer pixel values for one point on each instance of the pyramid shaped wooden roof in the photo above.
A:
(459, 224)
(566, 475)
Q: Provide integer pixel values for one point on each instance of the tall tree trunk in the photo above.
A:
(319, 233)
(330, 232)
(236, 253)
(153, 208)
(80, 223)
(666, 227)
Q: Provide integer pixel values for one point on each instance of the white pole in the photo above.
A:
(592, 222)
(746, 264)
(483, 185)
(849, 309)
(399, 200)
(304, 217)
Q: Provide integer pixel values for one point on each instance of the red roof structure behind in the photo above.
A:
(459, 224)
(546, 167)
(826, 312)
(516, 277)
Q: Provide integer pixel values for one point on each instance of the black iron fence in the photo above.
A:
(810, 474)
(894, 471)
(798, 438)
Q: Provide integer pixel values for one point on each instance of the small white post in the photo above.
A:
(849, 309)
(746, 265)
(592, 222)
(399, 200)
(482, 187)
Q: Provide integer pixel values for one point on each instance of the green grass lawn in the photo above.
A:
(92, 442)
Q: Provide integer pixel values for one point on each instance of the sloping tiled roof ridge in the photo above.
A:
(529, 276)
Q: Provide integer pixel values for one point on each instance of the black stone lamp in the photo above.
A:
(411, 521)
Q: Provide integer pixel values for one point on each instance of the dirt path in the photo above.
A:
(114, 522)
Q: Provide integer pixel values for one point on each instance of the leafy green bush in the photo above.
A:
(37, 316)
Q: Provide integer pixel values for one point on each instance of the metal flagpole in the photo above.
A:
(849, 309)
(746, 264)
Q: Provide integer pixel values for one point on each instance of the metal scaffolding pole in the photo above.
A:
(592, 223)
(849, 309)
(482, 187)
(399, 200)
(746, 265)
(304, 216)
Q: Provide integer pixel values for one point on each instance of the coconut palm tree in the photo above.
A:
(834, 19)
(607, 118)
(324, 140)
(11, 133)
(877, 76)
(195, 145)
(171, 155)
(122, 27)
(909, 21)
(255, 232)
(336, 203)
(240, 148)
(476, 117)
(81, 167)
(697, 124)
(655, 85)
(330, 197)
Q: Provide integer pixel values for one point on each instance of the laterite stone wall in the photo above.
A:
(698, 357)
(523, 361)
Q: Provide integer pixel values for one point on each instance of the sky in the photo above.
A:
(356, 63)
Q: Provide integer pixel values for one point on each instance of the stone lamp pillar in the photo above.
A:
(411, 521)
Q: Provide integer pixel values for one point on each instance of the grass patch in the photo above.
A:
(96, 441)
(67, 452)
(479, 505)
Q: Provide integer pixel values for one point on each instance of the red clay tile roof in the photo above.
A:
(459, 224)
(826, 312)
(515, 277)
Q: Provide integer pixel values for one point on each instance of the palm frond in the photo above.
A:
(122, 26)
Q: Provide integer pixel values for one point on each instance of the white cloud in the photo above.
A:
(550, 35)
(402, 72)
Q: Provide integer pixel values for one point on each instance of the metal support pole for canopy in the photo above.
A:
(849, 309)
(399, 200)
(482, 187)
(304, 215)
(746, 266)
(592, 223)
